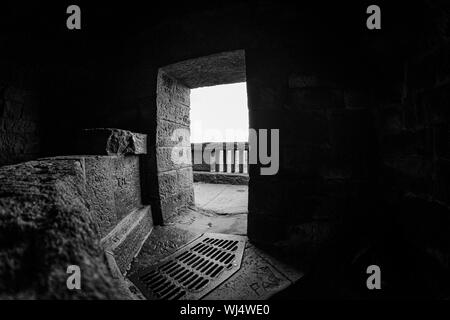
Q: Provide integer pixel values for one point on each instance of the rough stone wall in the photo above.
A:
(19, 122)
(173, 147)
(46, 225)
(113, 188)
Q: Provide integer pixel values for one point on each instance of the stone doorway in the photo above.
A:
(175, 191)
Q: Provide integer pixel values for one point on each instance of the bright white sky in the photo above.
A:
(219, 113)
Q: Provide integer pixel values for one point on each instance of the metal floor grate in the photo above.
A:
(194, 270)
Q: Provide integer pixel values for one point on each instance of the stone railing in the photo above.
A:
(224, 157)
(220, 162)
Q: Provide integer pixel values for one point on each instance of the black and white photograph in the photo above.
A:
(232, 157)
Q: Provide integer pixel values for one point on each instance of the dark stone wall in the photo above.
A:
(19, 116)
(414, 135)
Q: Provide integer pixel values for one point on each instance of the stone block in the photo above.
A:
(172, 205)
(215, 69)
(106, 141)
(165, 84)
(173, 182)
(205, 167)
(181, 94)
(126, 239)
(127, 191)
(172, 111)
(113, 188)
(168, 184)
(221, 178)
(17, 126)
(19, 143)
(169, 158)
(169, 134)
(185, 177)
(172, 90)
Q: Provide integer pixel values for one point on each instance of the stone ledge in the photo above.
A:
(221, 178)
(126, 239)
(110, 141)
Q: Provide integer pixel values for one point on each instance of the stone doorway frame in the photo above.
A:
(173, 150)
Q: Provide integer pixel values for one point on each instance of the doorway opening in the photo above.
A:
(219, 120)
(194, 100)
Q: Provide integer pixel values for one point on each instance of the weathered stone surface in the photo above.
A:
(169, 158)
(175, 181)
(113, 187)
(168, 184)
(18, 104)
(221, 178)
(18, 144)
(111, 142)
(169, 134)
(185, 177)
(45, 221)
(221, 68)
(127, 238)
(174, 204)
(173, 154)
(226, 200)
(19, 125)
(171, 90)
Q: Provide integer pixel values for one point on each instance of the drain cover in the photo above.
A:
(194, 270)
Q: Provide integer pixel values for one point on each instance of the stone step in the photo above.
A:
(124, 242)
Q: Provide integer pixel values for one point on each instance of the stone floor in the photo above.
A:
(260, 277)
(220, 209)
(221, 198)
